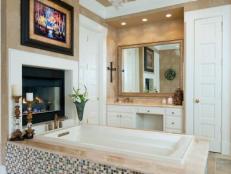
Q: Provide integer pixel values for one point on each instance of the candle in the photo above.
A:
(29, 97)
(164, 101)
(170, 100)
(16, 91)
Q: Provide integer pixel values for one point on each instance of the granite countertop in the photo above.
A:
(195, 161)
(144, 104)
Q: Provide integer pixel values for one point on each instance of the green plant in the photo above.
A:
(78, 96)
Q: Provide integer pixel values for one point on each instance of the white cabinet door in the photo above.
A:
(113, 119)
(89, 72)
(127, 120)
(207, 94)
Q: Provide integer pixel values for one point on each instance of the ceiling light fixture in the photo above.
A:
(168, 15)
(123, 23)
(144, 19)
(117, 3)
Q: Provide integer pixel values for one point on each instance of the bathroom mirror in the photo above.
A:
(153, 69)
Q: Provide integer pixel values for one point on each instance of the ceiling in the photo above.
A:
(105, 10)
(106, 3)
(136, 19)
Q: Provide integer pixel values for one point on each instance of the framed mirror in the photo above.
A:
(154, 69)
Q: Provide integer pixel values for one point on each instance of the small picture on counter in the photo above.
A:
(148, 59)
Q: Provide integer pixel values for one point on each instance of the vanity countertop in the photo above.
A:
(145, 104)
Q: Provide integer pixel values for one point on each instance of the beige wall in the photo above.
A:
(11, 26)
(0, 65)
(169, 59)
(154, 32)
(200, 4)
(13, 30)
(112, 57)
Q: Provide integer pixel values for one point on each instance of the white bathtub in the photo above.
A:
(133, 143)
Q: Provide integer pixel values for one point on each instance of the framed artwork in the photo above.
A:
(47, 24)
(148, 59)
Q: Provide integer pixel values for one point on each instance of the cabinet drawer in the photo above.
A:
(151, 110)
(123, 109)
(174, 112)
(173, 123)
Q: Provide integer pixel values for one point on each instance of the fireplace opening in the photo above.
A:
(47, 86)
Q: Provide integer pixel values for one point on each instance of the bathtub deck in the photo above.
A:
(195, 162)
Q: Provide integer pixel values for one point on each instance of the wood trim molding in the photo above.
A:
(190, 6)
(143, 13)
(127, 94)
(105, 3)
(4, 86)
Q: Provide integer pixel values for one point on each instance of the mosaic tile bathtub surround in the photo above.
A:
(27, 160)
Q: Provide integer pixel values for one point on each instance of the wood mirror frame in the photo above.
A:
(143, 94)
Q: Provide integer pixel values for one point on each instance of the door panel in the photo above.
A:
(89, 72)
(207, 94)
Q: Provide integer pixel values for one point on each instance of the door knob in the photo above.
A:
(197, 101)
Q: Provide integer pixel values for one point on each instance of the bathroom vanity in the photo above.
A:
(152, 71)
(167, 118)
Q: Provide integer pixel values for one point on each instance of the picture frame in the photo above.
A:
(47, 25)
(148, 60)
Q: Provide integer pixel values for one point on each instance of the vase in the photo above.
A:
(178, 97)
(80, 109)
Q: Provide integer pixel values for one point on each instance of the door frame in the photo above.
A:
(102, 31)
(190, 17)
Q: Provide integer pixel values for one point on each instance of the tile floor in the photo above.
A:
(219, 164)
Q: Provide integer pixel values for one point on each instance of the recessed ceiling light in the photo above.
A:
(144, 19)
(168, 15)
(123, 23)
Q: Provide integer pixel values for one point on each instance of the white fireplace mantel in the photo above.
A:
(18, 58)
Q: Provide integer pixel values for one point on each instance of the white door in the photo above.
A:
(208, 75)
(89, 51)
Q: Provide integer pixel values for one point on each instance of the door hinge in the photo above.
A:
(222, 26)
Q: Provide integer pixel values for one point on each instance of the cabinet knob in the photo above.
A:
(197, 101)
(148, 110)
(173, 113)
(173, 123)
